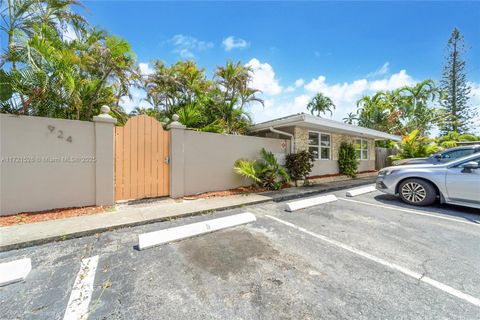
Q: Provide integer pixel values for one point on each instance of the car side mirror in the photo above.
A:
(469, 166)
(437, 156)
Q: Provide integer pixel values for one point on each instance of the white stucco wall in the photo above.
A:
(50, 163)
(204, 161)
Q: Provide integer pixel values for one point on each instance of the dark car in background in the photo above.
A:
(442, 157)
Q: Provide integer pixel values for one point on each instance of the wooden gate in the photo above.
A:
(382, 157)
(141, 159)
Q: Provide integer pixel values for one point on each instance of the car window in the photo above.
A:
(477, 160)
(457, 154)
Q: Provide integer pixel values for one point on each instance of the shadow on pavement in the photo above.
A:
(470, 214)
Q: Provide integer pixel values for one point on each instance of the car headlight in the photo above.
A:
(386, 172)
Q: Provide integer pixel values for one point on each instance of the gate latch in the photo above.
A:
(167, 160)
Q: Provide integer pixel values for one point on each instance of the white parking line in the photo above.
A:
(77, 307)
(14, 271)
(410, 273)
(310, 202)
(410, 211)
(147, 240)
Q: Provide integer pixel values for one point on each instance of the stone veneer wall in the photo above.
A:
(300, 139)
(322, 166)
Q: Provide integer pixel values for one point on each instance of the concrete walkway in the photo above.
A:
(25, 235)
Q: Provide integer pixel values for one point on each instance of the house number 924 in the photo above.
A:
(60, 134)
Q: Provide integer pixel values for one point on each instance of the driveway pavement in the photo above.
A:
(356, 258)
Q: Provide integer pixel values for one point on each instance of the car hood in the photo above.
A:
(412, 160)
(414, 166)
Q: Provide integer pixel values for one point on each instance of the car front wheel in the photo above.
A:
(417, 192)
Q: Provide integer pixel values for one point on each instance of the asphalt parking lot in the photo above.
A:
(367, 257)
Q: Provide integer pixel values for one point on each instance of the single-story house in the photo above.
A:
(323, 137)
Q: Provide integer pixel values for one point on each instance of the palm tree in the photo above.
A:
(351, 118)
(415, 106)
(20, 20)
(20, 17)
(320, 104)
(231, 94)
(69, 79)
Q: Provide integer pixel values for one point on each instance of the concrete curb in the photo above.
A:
(84, 233)
(80, 234)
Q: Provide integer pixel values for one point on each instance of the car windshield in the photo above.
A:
(448, 156)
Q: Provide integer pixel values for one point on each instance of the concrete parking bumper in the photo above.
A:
(20, 236)
(25, 235)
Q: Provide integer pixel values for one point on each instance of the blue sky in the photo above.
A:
(343, 49)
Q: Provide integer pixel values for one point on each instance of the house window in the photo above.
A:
(319, 145)
(361, 146)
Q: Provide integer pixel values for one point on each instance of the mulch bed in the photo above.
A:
(245, 190)
(30, 217)
(230, 192)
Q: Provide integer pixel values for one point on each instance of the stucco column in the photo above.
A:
(104, 158)
(177, 158)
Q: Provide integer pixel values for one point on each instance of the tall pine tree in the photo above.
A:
(456, 89)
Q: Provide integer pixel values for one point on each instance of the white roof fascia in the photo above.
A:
(307, 120)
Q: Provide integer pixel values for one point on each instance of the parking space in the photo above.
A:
(366, 257)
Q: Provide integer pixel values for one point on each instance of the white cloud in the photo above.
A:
(231, 42)
(383, 70)
(344, 95)
(185, 46)
(145, 68)
(299, 82)
(136, 100)
(264, 77)
(394, 81)
(475, 103)
(475, 94)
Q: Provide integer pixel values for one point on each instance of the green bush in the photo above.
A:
(299, 165)
(347, 159)
(450, 140)
(415, 145)
(266, 172)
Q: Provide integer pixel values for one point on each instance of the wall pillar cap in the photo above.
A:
(104, 116)
(175, 124)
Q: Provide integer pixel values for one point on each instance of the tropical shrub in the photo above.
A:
(415, 145)
(266, 172)
(400, 111)
(218, 104)
(299, 165)
(450, 140)
(347, 159)
(247, 169)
